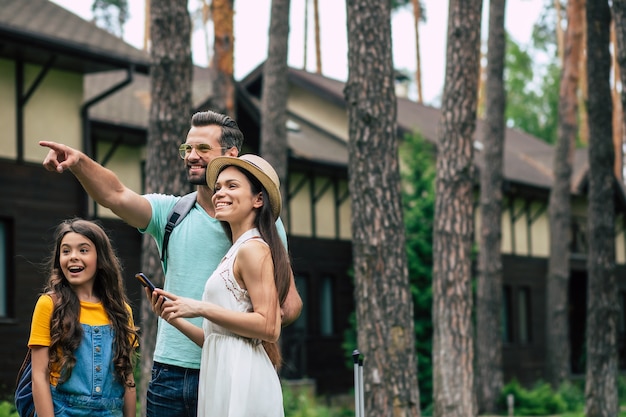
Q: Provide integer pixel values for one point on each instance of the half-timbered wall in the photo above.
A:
(526, 228)
(332, 117)
(126, 162)
(7, 109)
(51, 112)
(319, 206)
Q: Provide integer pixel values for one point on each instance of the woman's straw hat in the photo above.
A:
(255, 165)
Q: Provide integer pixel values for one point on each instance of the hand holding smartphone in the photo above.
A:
(145, 281)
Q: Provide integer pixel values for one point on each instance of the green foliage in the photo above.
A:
(541, 400)
(418, 199)
(532, 92)
(298, 404)
(7, 409)
(621, 389)
(573, 394)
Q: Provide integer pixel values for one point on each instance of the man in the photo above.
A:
(195, 247)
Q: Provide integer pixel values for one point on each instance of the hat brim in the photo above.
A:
(219, 163)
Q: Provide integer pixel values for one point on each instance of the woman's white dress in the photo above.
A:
(237, 378)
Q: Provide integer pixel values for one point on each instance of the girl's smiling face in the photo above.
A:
(78, 258)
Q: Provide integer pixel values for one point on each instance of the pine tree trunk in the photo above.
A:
(318, 46)
(489, 286)
(559, 206)
(583, 130)
(602, 306)
(417, 15)
(453, 345)
(384, 305)
(274, 95)
(223, 99)
(170, 109)
(619, 19)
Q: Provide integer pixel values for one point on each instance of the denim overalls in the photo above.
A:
(92, 389)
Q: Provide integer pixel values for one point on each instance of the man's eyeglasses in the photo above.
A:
(201, 148)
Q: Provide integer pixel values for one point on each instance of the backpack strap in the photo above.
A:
(175, 216)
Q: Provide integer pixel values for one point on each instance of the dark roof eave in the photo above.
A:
(65, 48)
(297, 79)
(311, 162)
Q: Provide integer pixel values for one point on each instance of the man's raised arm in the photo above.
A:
(100, 183)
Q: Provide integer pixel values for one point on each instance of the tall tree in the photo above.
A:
(619, 18)
(453, 347)
(602, 306)
(560, 37)
(489, 287)
(559, 206)
(275, 92)
(383, 299)
(306, 34)
(417, 17)
(223, 60)
(618, 116)
(318, 43)
(170, 113)
(583, 130)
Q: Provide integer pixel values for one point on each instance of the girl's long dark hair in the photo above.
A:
(266, 224)
(65, 329)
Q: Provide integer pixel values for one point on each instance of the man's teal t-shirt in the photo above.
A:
(196, 246)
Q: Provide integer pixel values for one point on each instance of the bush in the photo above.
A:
(573, 395)
(541, 400)
(298, 403)
(7, 409)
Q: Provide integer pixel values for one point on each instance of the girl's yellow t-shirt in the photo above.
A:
(92, 314)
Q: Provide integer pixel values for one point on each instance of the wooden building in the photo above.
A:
(63, 79)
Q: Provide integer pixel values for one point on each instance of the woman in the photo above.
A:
(242, 298)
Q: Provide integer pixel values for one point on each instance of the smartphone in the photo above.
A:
(145, 281)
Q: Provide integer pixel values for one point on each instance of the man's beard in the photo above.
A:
(197, 181)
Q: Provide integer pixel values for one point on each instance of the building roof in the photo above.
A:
(527, 159)
(42, 32)
(130, 106)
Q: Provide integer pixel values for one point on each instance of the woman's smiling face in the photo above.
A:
(233, 198)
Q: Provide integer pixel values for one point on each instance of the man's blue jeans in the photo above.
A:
(172, 392)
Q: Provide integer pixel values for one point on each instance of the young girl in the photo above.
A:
(82, 338)
(242, 299)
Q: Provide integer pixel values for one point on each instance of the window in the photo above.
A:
(523, 314)
(301, 323)
(4, 266)
(621, 320)
(516, 314)
(621, 330)
(578, 230)
(326, 307)
(507, 321)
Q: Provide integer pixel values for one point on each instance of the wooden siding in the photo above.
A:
(524, 361)
(33, 202)
(308, 353)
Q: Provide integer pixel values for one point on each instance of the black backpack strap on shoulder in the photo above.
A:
(176, 215)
